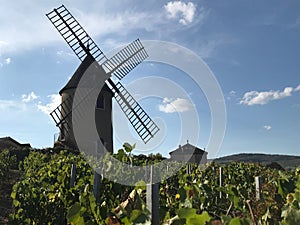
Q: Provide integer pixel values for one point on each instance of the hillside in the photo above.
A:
(286, 161)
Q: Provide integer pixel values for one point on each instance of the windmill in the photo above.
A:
(117, 66)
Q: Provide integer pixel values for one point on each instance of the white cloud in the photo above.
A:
(11, 105)
(63, 53)
(175, 105)
(232, 94)
(186, 11)
(8, 61)
(55, 100)
(102, 20)
(267, 127)
(20, 32)
(4, 61)
(3, 45)
(30, 97)
(208, 48)
(264, 97)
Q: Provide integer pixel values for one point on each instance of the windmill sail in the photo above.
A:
(60, 115)
(73, 33)
(142, 123)
(119, 65)
(126, 59)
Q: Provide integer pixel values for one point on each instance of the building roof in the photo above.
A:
(187, 149)
(74, 81)
(8, 142)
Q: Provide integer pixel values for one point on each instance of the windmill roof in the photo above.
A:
(187, 149)
(75, 79)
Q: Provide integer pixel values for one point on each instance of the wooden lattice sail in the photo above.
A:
(118, 66)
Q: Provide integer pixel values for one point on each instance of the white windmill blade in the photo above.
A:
(125, 60)
(73, 33)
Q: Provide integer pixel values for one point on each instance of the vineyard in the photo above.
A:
(45, 194)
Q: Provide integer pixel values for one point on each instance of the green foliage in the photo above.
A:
(128, 148)
(291, 210)
(20, 154)
(201, 192)
(44, 196)
(7, 162)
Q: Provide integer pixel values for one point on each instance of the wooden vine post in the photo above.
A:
(73, 175)
(220, 179)
(97, 183)
(97, 176)
(258, 187)
(188, 168)
(152, 199)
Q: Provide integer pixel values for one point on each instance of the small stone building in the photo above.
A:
(9, 143)
(189, 153)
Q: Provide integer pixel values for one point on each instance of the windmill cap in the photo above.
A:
(75, 79)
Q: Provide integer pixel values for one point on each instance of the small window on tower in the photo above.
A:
(100, 102)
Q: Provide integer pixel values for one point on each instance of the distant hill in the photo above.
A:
(286, 161)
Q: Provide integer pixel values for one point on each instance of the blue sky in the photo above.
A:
(252, 48)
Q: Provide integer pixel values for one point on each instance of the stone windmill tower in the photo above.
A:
(118, 66)
(103, 110)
